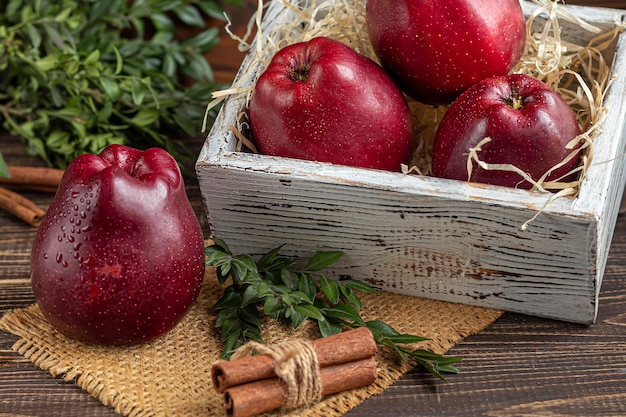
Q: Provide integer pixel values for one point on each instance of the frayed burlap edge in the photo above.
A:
(171, 376)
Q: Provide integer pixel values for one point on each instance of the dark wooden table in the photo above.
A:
(518, 366)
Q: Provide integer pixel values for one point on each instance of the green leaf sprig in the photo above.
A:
(293, 292)
(78, 75)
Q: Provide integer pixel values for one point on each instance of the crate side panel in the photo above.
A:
(461, 251)
(603, 186)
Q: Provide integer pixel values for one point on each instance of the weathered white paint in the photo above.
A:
(423, 236)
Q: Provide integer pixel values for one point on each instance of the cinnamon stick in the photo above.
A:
(348, 346)
(269, 394)
(21, 207)
(34, 178)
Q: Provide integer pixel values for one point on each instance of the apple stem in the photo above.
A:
(300, 73)
(514, 101)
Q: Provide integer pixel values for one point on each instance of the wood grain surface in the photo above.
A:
(518, 366)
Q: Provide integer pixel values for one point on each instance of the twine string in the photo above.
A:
(296, 364)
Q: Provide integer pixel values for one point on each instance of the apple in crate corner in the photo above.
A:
(119, 256)
(435, 49)
(528, 124)
(321, 100)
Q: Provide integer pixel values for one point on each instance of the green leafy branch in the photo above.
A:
(78, 75)
(293, 292)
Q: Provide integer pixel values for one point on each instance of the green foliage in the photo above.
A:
(4, 170)
(293, 292)
(78, 75)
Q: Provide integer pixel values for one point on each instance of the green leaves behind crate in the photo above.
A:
(78, 75)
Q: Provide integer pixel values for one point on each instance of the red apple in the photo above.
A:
(321, 100)
(528, 124)
(436, 49)
(119, 256)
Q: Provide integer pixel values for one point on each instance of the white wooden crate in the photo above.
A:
(423, 236)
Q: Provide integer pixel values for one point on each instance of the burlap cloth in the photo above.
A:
(170, 377)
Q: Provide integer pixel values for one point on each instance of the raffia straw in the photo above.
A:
(578, 73)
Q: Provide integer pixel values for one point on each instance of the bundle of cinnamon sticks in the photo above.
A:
(33, 178)
(250, 385)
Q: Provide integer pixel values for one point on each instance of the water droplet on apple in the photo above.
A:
(89, 261)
